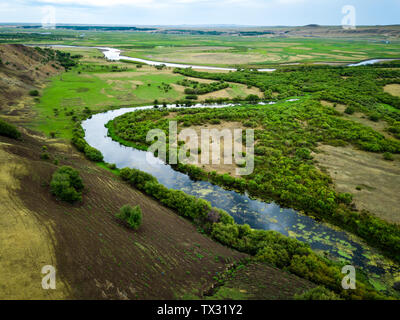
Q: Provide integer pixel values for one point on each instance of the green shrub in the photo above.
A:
(267, 246)
(388, 156)
(93, 154)
(374, 117)
(346, 198)
(318, 293)
(9, 130)
(303, 153)
(349, 110)
(34, 93)
(112, 166)
(252, 98)
(44, 155)
(67, 185)
(79, 143)
(215, 121)
(132, 216)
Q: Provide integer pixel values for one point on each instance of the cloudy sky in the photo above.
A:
(176, 12)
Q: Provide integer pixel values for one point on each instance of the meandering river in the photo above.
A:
(323, 238)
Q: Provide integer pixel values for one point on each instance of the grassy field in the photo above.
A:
(255, 51)
(228, 50)
(98, 85)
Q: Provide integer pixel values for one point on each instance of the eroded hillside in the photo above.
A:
(23, 69)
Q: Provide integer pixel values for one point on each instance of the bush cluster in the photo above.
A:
(66, 184)
(131, 216)
(80, 143)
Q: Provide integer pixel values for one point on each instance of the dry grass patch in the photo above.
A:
(220, 167)
(210, 58)
(393, 89)
(27, 245)
(378, 179)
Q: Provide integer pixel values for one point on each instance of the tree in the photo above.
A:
(252, 98)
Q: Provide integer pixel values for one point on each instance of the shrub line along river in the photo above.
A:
(322, 237)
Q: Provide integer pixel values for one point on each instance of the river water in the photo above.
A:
(323, 238)
(369, 62)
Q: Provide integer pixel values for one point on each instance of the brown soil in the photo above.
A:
(378, 179)
(95, 254)
(224, 93)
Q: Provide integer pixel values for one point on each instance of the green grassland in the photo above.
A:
(254, 51)
(95, 87)
(223, 50)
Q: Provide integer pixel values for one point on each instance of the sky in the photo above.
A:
(201, 12)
